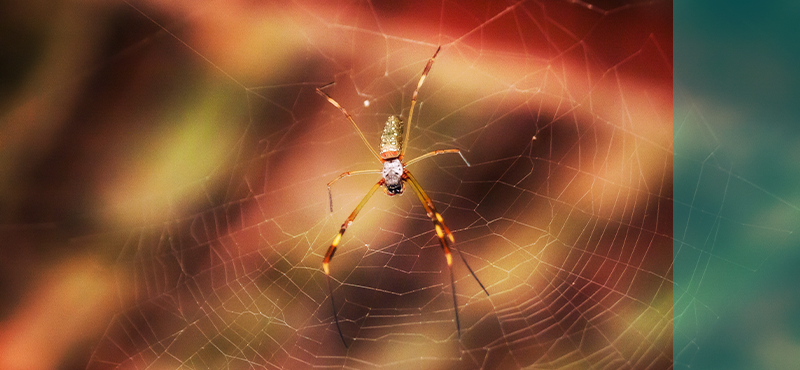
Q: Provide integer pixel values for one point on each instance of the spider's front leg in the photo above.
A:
(332, 249)
(441, 231)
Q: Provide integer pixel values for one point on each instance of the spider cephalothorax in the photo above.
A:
(393, 178)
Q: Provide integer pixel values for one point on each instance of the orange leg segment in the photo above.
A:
(441, 232)
(329, 255)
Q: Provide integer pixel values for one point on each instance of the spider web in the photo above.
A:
(208, 223)
(736, 212)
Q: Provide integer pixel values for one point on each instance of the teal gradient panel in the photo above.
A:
(736, 185)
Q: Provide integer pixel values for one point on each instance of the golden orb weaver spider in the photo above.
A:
(394, 176)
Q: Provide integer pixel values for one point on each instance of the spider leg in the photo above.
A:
(329, 255)
(349, 118)
(333, 304)
(348, 173)
(437, 219)
(437, 152)
(441, 231)
(414, 98)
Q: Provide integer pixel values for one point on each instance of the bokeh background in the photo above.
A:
(736, 185)
(163, 171)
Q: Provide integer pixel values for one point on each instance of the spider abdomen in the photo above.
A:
(392, 138)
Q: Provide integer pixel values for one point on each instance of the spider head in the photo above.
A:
(393, 177)
(394, 189)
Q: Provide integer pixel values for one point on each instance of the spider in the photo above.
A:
(394, 177)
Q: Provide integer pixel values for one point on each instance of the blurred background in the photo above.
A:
(736, 185)
(163, 202)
